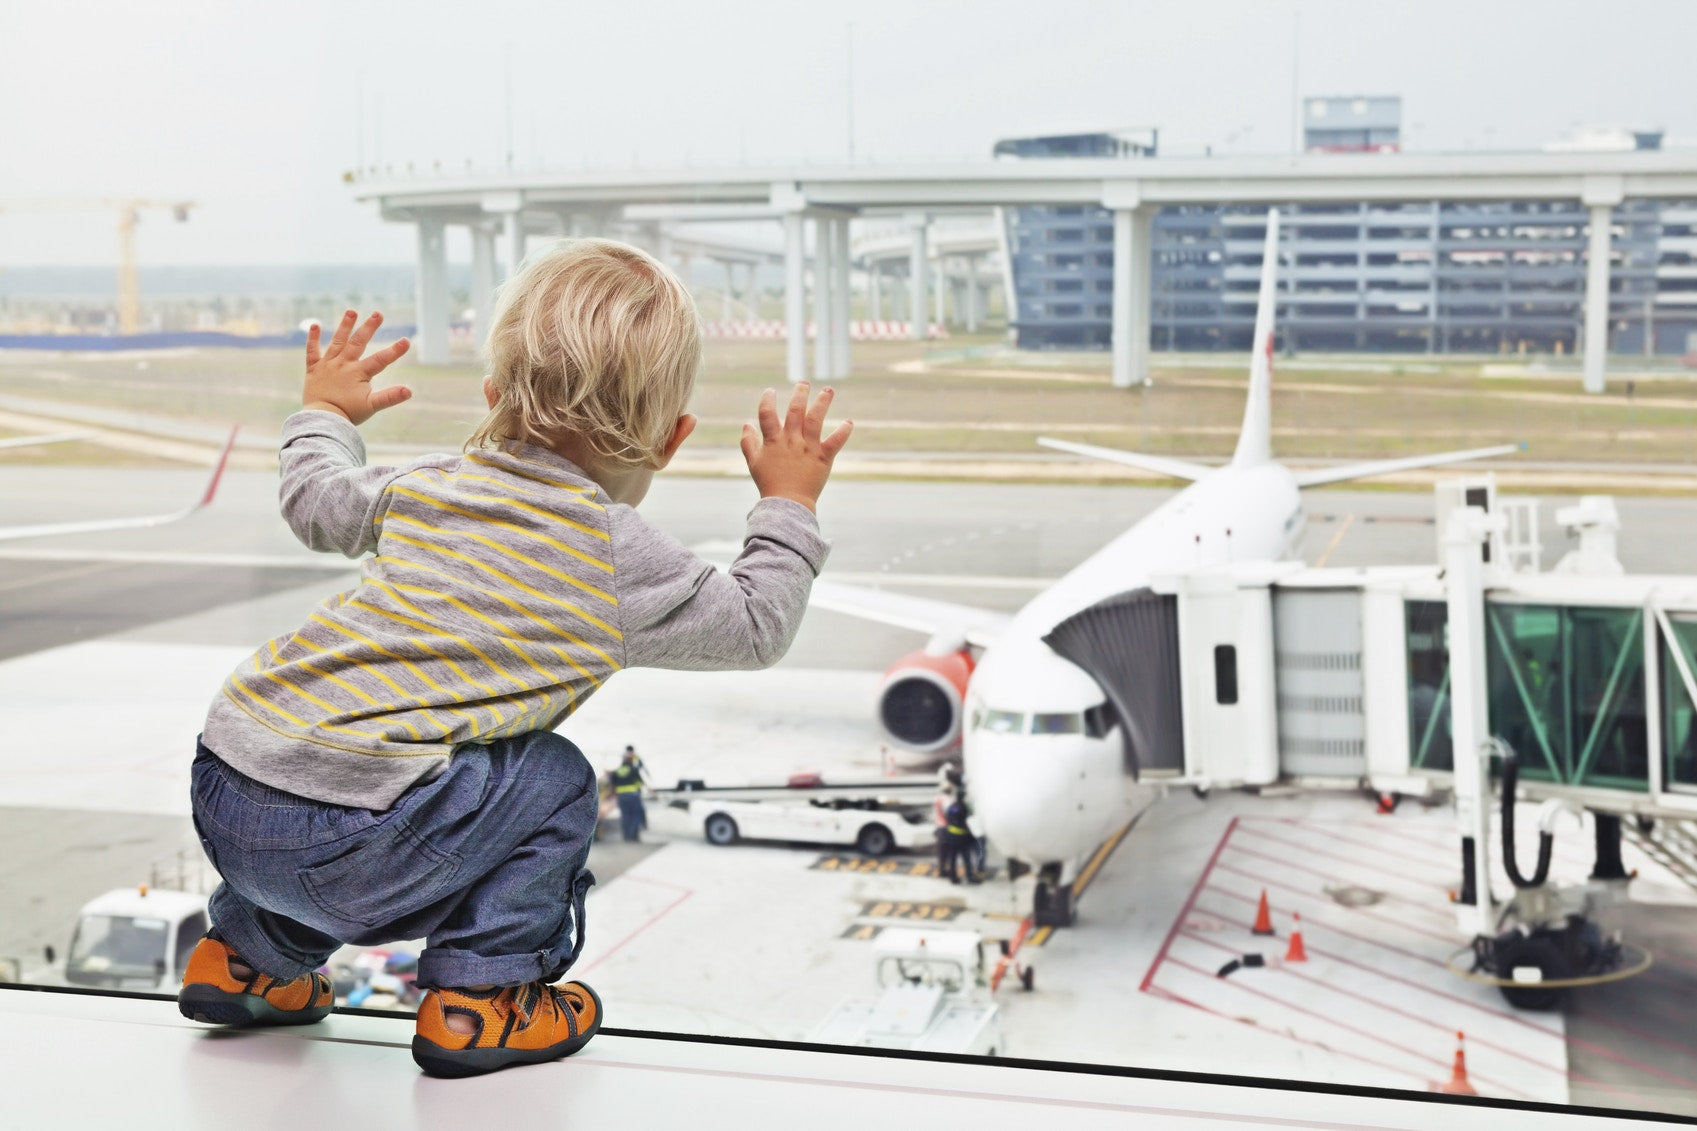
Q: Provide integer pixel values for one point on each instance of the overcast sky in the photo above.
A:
(254, 110)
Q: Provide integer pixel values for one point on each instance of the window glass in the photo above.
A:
(1057, 724)
(190, 188)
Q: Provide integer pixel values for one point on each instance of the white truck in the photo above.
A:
(876, 817)
(935, 997)
(872, 831)
(135, 939)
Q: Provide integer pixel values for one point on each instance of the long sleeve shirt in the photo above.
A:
(506, 587)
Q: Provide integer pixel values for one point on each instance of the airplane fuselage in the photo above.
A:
(1048, 781)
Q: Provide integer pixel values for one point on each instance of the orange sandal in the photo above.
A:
(212, 994)
(528, 1024)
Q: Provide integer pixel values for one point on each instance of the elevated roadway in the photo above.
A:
(1133, 188)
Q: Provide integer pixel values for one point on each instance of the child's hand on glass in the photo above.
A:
(339, 381)
(787, 457)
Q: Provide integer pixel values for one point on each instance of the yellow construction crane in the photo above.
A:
(129, 212)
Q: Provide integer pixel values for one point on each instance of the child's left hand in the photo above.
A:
(339, 381)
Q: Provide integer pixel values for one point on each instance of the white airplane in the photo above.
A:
(90, 526)
(1072, 701)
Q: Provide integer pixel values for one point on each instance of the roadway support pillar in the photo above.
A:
(1464, 575)
(840, 308)
(940, 292)
(918, 330)
(874, 293)
(971, 312)
(1597, 296)
(795, 299)
(432, 295)
(751, 293)
(725, 292)
(1130, 334)
(515, 242)
(483, 281)
(824, 241)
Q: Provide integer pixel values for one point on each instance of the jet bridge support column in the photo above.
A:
(1467, 530)
(1600, 195)
(432, 295)
(1133, 228)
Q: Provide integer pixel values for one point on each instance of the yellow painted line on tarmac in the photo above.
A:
(1039, 936)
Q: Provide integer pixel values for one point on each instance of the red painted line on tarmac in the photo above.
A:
(1441, 1064)
(1446, 939)
(1163, 991)
(1327, 905)
(1558, 1069)
(1390, 827)
(1352, 861)
(652, 919)
(1190, 900)
(1687, 1051)
(1389, 851)
(1607, 1054)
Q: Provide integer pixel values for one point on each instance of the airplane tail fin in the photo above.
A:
(1255, 440)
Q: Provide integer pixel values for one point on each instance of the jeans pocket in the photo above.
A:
(380, 879)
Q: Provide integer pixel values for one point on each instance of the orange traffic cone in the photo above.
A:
(1263, 917)
(1297, 952)
(1458, 1084)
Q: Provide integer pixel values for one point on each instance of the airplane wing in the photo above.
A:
(1348, 471)
(42, 530)
(32, 441)
(1160, 465)
(921, 614)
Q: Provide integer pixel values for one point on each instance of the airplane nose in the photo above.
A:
(1017, 796)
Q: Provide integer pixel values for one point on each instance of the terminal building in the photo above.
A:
(1409, 276)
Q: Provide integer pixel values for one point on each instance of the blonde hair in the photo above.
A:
(596, 338)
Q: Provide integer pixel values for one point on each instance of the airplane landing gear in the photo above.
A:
(1052, 903)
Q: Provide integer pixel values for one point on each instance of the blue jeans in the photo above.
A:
(486, 863)
(632, 816)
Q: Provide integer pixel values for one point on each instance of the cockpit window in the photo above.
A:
(1004, 722)
(1057, 724)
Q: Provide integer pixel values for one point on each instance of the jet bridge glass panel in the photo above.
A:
(1566, 687)
(1429, 745)
(1679, 713)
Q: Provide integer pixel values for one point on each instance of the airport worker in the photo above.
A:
(390, 770)
(627, 790)
(957, 842)
(940, 818)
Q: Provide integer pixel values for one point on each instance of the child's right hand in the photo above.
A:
(787, 458)
(339, 381)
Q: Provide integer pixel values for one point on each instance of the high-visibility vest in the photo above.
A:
(957, 820)
(626, 779)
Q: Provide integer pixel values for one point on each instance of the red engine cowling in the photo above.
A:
(922, 698)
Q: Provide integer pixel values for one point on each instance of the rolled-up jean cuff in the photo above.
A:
(255, 950)
(442, 968)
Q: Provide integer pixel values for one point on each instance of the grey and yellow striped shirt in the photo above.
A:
(506, 587)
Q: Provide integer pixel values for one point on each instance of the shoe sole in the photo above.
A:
(213, 1006)
(456, 1064)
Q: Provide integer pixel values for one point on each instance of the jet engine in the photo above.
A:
(921, 699)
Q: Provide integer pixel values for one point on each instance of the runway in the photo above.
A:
(112, 645)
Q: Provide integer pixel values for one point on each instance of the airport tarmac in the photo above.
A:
(128, 635)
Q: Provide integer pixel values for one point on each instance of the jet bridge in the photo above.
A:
(1296, 674)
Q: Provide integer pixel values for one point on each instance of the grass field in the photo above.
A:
(971, 398)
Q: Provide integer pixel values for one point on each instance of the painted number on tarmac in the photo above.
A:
(862, 931)
(917, 911)
(872, 866)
